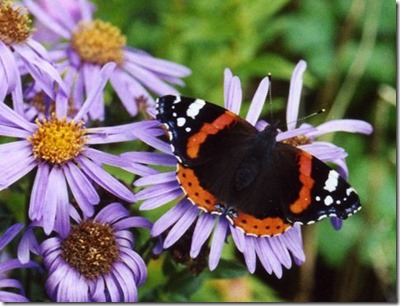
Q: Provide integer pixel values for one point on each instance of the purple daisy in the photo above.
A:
(9, 265)
(60, 149)
(273, 252)
(20, 54)
(96, 261)
(90, 43)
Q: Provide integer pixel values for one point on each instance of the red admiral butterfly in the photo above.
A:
(226, 166)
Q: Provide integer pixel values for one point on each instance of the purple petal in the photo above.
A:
(50, 199)
(233, 99)
(123, 276)
(181, 226)
(202, 231)
(105, 180)
(258, 101)
(250, 254)
(46, 19)
(343, 125)
(154, 179)
(105, 158)
(296, 85)
(336, 223)
(132, 222)
(150, 158)
(62, 213)
(11, 232)
(14, 172)
(217, 243)
(156, 65)
(12, 297)
(266, 254)
(149, 79)
(82, 189)
(324, 151)
(227, 79)
(293, 133)
(157, 190)
(38, 191)
(170, 217)
(160, 200)
(136, 264)
(18, 120)
(100, 81)
(238, 238)
(112, 213)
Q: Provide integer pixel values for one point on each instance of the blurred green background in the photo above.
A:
(351, 54)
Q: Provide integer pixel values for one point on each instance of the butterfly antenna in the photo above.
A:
(322, 110)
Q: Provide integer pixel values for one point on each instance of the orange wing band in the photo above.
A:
(304, 200)
(193, 190)
(270, 226)
(195, 141)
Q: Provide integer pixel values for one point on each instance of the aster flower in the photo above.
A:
(60, 149)
(273, 252)
(10, 264)
(96, 261)
(91, 43)
(20, 54)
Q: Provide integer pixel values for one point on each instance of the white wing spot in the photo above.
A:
(338, 202)
(328, 200)
(181, 121)
(350, 190)
(177, 100)
(317, 198)
(195, 108)
(174, 114)
(332, 181)
(188, 129)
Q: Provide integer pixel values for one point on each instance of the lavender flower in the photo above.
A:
(96, 261)
(20, 54)
(273, 252)
(8, 265)
(61, 150)
(90, 44)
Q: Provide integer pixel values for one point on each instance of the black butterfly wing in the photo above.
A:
(208, 141)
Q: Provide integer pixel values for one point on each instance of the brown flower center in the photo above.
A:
(98, 42)
(91, 249)
(14, 23)
(57, 140)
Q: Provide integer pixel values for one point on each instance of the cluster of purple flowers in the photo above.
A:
(51, 96)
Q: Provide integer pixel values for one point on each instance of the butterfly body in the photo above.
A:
(226, 166)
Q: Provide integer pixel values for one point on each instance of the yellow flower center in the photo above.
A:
(297, 140)
(98, 42)
(57, 141)
(91, 249)
(14, 23)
